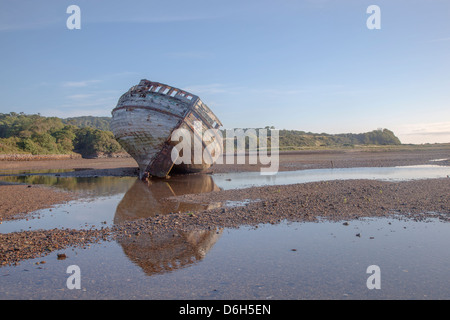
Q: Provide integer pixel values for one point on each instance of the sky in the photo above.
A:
(311, 65)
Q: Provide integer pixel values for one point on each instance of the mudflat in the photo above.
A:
(288, 160)
(341, 199)
(66, 164)
(18, 201)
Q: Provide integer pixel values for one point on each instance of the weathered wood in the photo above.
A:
(145, 118)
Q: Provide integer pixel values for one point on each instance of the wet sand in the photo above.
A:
(341, 200)
(80, 167)
(288, 161)
(310, 202)
(350, 158)
(19, 201)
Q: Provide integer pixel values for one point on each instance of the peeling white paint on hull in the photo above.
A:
(145, 118)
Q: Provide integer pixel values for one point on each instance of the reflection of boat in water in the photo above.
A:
(173, 250)
(157, 254)
(146, 199)
(147, 115)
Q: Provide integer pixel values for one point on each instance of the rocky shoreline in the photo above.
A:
(310, 202)
(342, 200)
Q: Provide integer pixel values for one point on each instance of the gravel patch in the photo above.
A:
(310, 202)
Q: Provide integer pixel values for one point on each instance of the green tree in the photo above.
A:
(90, 142)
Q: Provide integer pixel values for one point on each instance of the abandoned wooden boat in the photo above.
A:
(145, 118)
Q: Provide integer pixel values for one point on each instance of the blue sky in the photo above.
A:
(309, 65)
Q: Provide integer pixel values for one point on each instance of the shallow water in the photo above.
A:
(111, 200)
(401, 173)
(322, 260)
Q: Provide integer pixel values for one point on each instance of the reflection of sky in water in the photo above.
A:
(111, 200)
(248, 179)
(284, 261)
(90, 186)
(329, 262)
(116, 199)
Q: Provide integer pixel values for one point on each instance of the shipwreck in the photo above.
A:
(145, 118)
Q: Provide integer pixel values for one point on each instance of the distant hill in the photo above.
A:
(91, 136)
(292, 138)
(289, 139)
(100, 123)
(295, 139)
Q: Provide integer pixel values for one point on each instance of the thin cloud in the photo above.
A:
(277, 91)
(32, 15)
(79, 96)
(190, 55)
(79, 84)
(101, 112)
(29, 15)
(155, 19)
(82, 103)
(440, 39)
(437, 132)
(213, 88)
(11, 26)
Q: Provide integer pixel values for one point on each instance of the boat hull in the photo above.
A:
(145, 118)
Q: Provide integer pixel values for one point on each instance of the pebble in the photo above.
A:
(302, 202)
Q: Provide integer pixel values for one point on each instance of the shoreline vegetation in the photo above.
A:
(284, 150)
(23, 136)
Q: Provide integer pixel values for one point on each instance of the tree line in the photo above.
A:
(297, 139)
(35, 134)
(90, 136)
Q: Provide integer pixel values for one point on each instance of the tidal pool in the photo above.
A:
(401, 173)
(323, 260)
(314, 260)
